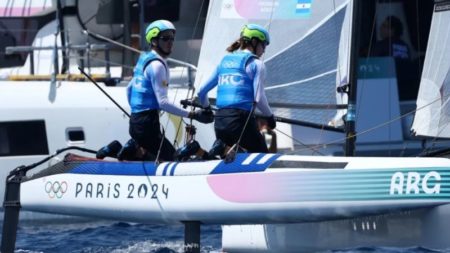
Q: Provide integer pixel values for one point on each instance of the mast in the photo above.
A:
(127, 57)
(61, 30)
(350, 118)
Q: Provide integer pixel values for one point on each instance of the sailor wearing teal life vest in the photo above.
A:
(147, 93)
(239, 80)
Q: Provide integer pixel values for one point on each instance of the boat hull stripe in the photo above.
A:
(334, 185)
(238, 165)
(172, 171)
(165, 169)
(265, 158)
(250, 158)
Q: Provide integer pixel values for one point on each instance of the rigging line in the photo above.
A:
(163, 128)
(190, 88)
(112, 41)
(103, 91)
(270, 17)
(148, 177)
(29, 7)
(277, 86)
(89, 19)
(383, 124)
(6, 8)
(176, 91)
(24, 7)
(101, 37)
(139, 52)
(11, 8)
(252, 110)
(366, 60)
(299, 142)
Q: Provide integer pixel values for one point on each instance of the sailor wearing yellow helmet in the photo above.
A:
(147, 94)
(239, 79)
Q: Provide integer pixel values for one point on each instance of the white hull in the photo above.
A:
(350, 201)
(426, 228)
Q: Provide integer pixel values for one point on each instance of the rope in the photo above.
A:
(375, 127)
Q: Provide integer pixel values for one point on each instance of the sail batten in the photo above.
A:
(282, 85)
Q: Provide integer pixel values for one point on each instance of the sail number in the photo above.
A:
(116, 190)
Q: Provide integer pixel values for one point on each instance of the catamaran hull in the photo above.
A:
(427, 228)
(306, 203)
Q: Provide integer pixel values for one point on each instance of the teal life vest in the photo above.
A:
(235, 87)
(142, 95)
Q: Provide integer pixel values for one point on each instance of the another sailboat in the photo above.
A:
(45, 102)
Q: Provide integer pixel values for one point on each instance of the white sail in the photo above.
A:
(302, 57)
(433, 110)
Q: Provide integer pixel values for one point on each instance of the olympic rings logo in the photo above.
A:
(56, 189)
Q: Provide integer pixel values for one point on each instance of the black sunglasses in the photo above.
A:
(167, 38)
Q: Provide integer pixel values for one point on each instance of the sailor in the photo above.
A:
(239, 79)
(147, 93)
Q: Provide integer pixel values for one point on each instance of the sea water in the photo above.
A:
(119, 237)
(106, 236)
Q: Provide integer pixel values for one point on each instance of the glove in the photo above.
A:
(271, 122)
(203, 116)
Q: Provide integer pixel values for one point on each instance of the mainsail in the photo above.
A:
(302, 58)
(433, 110)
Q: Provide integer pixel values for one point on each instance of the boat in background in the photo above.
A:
(46, 104)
